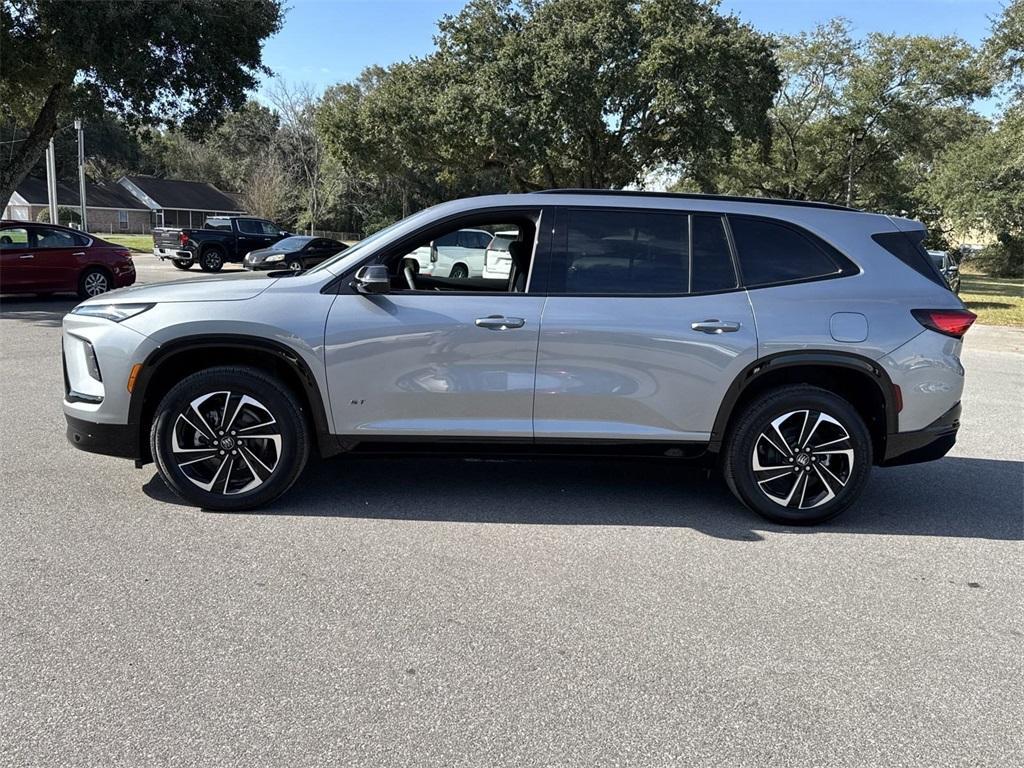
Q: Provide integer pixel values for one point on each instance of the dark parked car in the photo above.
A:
(296, 253)
(45, 258)
(948, 266)
(222, 239)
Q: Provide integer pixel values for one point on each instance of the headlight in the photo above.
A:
(275, 257)
(115, 312)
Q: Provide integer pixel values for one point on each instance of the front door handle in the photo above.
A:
(27, 256)
(500, 322)
(715, 326)
(80, 253)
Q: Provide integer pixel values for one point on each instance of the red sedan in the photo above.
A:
(44, 258)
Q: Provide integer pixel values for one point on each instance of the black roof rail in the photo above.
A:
(694, 196)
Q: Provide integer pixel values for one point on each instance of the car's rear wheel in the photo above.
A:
(229, 438)
(182, 264)
(93, 282)
(459, 272)
(798, 455)
(211, 260)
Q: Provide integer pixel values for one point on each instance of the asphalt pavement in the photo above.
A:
(473, 613)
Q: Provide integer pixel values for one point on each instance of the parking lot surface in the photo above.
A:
(466, 613)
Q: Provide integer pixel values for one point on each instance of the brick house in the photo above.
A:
(176, 203)
(109, 208)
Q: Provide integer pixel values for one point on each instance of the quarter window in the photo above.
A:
(626, 252)
(772, 253)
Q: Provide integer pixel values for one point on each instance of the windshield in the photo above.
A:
(291, 243)
(339, 262)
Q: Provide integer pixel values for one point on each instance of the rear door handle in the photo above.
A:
(715, 326)
(500, 322)
(80, 253)
(27, 256)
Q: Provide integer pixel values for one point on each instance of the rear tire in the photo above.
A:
(211, 260)
(798, 455)
(93, 282)
(459, 272)
(182, 264)
(230, 438)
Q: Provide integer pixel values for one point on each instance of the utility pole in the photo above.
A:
(81, 174)
(51, 182)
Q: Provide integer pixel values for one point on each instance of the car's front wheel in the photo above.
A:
(798, 455)
(229, 438)
(295, 265)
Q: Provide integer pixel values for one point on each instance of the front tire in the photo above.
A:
(798, 455)
(295, 265)
(229, 438)
(211, 260)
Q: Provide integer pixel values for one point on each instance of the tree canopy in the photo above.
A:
(588, 93)
(186, 62)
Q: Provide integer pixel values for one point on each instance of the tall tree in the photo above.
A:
(555, 93)
(860, 121)
(183, 61)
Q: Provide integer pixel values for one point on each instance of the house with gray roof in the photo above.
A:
(108, 207)
(176, 203)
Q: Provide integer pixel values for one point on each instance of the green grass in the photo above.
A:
(995, 300)
(137, 243)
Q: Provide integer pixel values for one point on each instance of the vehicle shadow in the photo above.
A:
(954, 497)
(46, 312)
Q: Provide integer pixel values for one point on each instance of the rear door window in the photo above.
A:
(771, 252)
(625, 252)
(58, 238)
(712, 268)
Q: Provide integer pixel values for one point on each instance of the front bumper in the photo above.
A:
(932, 442)
(107, 439)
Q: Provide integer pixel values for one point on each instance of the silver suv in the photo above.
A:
(794, 345)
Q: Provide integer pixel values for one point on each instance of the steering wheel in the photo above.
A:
(410, 268)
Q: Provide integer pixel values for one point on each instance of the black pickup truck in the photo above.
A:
(222, 239)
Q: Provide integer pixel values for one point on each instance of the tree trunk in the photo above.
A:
(27, 152)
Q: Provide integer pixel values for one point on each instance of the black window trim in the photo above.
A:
(563, 237)
(844, 266)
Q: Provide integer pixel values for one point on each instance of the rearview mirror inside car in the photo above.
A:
(373, 279)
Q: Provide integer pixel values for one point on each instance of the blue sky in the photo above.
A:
(324, 42)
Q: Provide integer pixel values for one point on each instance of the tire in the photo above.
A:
(780, 425)
(93, 282)
(459, 272)
(189, 419)
(211, 260)
(295, 265)
(182, 264)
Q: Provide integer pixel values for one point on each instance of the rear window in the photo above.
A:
(712, 268)
(771, 253)
(500, 243)
(218, 224)
(908, 248)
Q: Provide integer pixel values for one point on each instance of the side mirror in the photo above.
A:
(282, 233)
(373, 279)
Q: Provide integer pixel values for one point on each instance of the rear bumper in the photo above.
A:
(173, 254)
(107, 439)
(932, 442)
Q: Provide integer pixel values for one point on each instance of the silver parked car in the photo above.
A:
(793, 345)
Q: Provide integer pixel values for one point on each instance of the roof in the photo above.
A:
(186, 195)
(694, 196)
(96, 195)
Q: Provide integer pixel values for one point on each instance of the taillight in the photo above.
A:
(949, 322)
(183, 238)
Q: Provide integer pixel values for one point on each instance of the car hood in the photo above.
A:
(223, 288)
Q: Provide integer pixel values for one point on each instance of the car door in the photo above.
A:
(16, 257)
(644, 328)
(56, 260)
(253, 235)
(416, 363)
